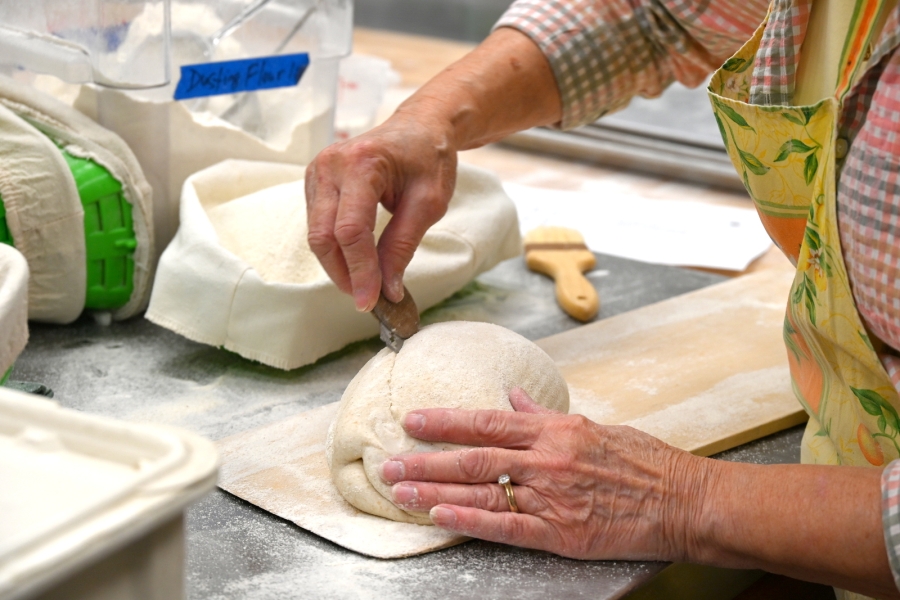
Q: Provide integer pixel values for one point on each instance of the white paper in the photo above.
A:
(656, 230)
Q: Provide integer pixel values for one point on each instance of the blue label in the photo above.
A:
(245, 75)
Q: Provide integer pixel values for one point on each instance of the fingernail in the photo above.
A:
(414, 422)
(396, 286)
(362, 303)
(404, 494)
(443, 517)
(392, 471)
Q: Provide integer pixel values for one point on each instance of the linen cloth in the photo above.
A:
(603, 52)
(80, 136)
(45, 219)
(210, 295)
(13, 306)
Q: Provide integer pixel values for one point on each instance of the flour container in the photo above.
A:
(93, 508)
(81, 42)
(174, 139)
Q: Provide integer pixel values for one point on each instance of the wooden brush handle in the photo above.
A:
(574, 292)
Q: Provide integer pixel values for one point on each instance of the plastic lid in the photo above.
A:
(87, 41)
(76, 486)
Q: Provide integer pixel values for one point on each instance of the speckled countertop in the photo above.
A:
(138, 371)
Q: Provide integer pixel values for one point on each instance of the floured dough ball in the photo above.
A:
(447, 365)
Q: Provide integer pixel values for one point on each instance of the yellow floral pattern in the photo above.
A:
(785, 156)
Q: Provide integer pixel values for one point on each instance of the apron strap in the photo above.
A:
(856, 44)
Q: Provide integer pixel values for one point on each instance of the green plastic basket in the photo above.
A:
(108, 234)
(5, 235)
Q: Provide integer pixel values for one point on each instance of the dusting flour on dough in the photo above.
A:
(446, 365)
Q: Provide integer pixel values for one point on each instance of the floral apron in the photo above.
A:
(786, 157)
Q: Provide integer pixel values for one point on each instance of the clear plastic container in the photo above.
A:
(173, 139)
(133, 51)
(82, 42)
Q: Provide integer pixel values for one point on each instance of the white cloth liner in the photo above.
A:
(209, 295)
(13, 306)
(45, 218)
(82, 137)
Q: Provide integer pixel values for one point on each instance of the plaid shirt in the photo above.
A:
(604, 52)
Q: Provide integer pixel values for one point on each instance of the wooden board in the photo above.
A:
(706, 371)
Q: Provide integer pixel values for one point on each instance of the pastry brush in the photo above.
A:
(562, 254)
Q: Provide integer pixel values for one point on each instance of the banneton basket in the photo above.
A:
(108, 234)
(13, 308)
(74, 202)
(210, 295)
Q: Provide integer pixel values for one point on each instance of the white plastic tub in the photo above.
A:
(91, 507)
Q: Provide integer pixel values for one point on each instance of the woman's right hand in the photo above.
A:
(406, 164)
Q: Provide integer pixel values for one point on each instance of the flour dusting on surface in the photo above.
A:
(726, 404)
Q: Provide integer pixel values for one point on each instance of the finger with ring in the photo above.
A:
(472, 465)
(486, 496)
(506, 482)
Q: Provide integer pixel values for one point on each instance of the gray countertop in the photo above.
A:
(137, 371)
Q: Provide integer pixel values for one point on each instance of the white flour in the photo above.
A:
(268, 230)
(729, 402)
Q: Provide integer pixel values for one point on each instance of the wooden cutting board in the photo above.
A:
(706, 371)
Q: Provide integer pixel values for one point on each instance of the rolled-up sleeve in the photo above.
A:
(890, 516)
(604, 52)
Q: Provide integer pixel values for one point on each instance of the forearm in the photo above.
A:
(503, 86)
(818, 523)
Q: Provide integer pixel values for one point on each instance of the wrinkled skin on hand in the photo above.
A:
(584, 490)
(406, 165)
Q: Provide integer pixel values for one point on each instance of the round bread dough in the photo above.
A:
(447, 365)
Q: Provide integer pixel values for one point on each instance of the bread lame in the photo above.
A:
(399, 320)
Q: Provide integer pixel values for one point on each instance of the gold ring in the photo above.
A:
(505, 481)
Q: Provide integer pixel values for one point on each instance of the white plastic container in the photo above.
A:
(92, 507)
(362, 83)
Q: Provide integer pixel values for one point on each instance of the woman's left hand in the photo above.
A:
(583, 490)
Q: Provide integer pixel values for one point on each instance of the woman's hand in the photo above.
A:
(406, 165)
(583, 490)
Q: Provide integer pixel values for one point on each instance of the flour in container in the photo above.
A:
(268, 230)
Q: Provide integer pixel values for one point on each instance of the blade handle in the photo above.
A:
(399, 320)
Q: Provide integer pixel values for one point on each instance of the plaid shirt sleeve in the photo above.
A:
(604, 52)
(890, 515)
